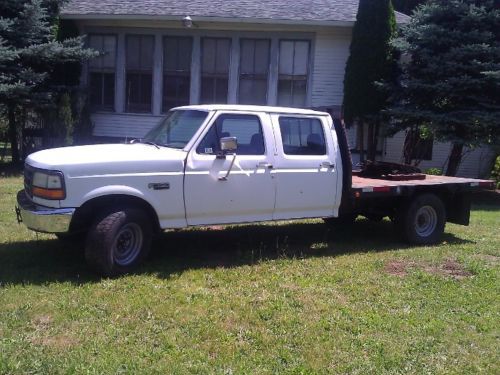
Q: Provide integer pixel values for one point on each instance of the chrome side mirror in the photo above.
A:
(228, 145)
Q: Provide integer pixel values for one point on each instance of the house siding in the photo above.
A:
(475, 163)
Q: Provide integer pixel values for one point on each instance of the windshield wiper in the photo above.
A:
(145, 142)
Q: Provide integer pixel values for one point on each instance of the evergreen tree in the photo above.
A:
(450, 82)
(370, 62)
(29, 51)
(406, 6)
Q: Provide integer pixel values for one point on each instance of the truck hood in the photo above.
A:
(109, 159)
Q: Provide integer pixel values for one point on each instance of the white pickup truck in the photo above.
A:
(218, 164)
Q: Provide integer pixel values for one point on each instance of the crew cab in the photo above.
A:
(220, 164)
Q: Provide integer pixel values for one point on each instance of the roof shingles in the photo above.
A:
(307, 11)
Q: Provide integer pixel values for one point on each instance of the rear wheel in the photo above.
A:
(422, 220)
(118, 241)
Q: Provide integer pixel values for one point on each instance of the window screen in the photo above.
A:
(293, 71)
(254, 69)
(176, 71)
(302, 136)
(139, 77)
(214, 70)
(102, 72)
(246, 128)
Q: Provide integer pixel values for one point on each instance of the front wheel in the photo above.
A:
(422, 220)
(118, 241)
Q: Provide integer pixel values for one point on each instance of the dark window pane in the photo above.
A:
(95, 85)
(253, 91)
(208, 51)
(109, 90)
(176, 91)
(139, 92)
(285, 93)
(221, 90)
(133, 52)
(262, 56)
(247, 56)
(222, 56)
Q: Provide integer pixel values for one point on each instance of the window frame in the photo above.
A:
(140, 72)
(254, 76)
(103, 71)
(307, 76)
(178, 72)
(214, 76)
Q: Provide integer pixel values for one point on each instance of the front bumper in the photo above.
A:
(42, 219)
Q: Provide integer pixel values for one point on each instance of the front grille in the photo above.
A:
(28, 180)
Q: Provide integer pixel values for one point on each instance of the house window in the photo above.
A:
(102, 73)
(139, 72)
(302, 136)
(246, 128)
(254, 68)
(215, 70)
(293, 69)
(416, 147)
(176, 71)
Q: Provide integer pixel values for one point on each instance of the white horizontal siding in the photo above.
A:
(331, 51)
(475, 163)
(123, 125)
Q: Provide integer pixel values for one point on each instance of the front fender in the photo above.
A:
(114, 190)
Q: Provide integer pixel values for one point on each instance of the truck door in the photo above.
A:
(247, 193)
(305, 167)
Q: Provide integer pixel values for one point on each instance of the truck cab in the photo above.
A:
(201, 165)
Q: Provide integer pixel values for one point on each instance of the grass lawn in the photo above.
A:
(257, 299)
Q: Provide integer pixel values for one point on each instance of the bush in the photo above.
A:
(434, 171)
(495, 172)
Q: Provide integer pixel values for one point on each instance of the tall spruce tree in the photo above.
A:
(29, 51)
(406, 6)
(450, 85)
(371, 61)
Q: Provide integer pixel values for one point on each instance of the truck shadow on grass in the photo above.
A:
(49, 260)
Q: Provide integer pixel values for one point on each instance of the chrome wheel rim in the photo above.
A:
(127, 244)
(425, 221)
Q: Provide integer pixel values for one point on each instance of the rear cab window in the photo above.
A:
(302, 135)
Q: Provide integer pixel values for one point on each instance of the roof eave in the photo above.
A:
(147, 17)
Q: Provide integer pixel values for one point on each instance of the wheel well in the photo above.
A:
(85, 214)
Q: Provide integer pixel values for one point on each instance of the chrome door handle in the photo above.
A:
(265, 165)
(327, 164)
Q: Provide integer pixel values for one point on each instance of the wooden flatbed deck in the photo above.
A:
(363, 182)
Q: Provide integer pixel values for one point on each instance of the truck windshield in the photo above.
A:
(176, 129)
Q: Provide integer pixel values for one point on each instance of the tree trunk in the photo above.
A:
(361, 141)
(13, 135)
(455, 159)
(370, 152)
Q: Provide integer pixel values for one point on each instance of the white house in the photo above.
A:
(165, 53)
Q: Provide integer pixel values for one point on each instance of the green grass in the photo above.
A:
(258, 299)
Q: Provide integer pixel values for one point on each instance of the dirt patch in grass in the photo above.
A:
(490, 259)
(448, 268)
(398, 267)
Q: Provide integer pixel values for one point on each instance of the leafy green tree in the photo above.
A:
(29, 52)
(371, 61)
(451, 76)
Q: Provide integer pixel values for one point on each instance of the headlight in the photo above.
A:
(48, 185)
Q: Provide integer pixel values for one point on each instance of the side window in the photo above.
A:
(302, 136)
(246, 128)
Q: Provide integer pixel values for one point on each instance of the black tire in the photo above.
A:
(422, 220)
(118, 241)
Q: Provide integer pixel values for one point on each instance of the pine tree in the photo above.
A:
(371, 61)
(451, 83)
(406, 6)
(29, 51)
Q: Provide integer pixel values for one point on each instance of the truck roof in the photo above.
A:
(253, 108)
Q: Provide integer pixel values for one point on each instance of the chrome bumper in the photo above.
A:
(42, 219)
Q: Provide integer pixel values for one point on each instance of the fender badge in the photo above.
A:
(159, 186)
